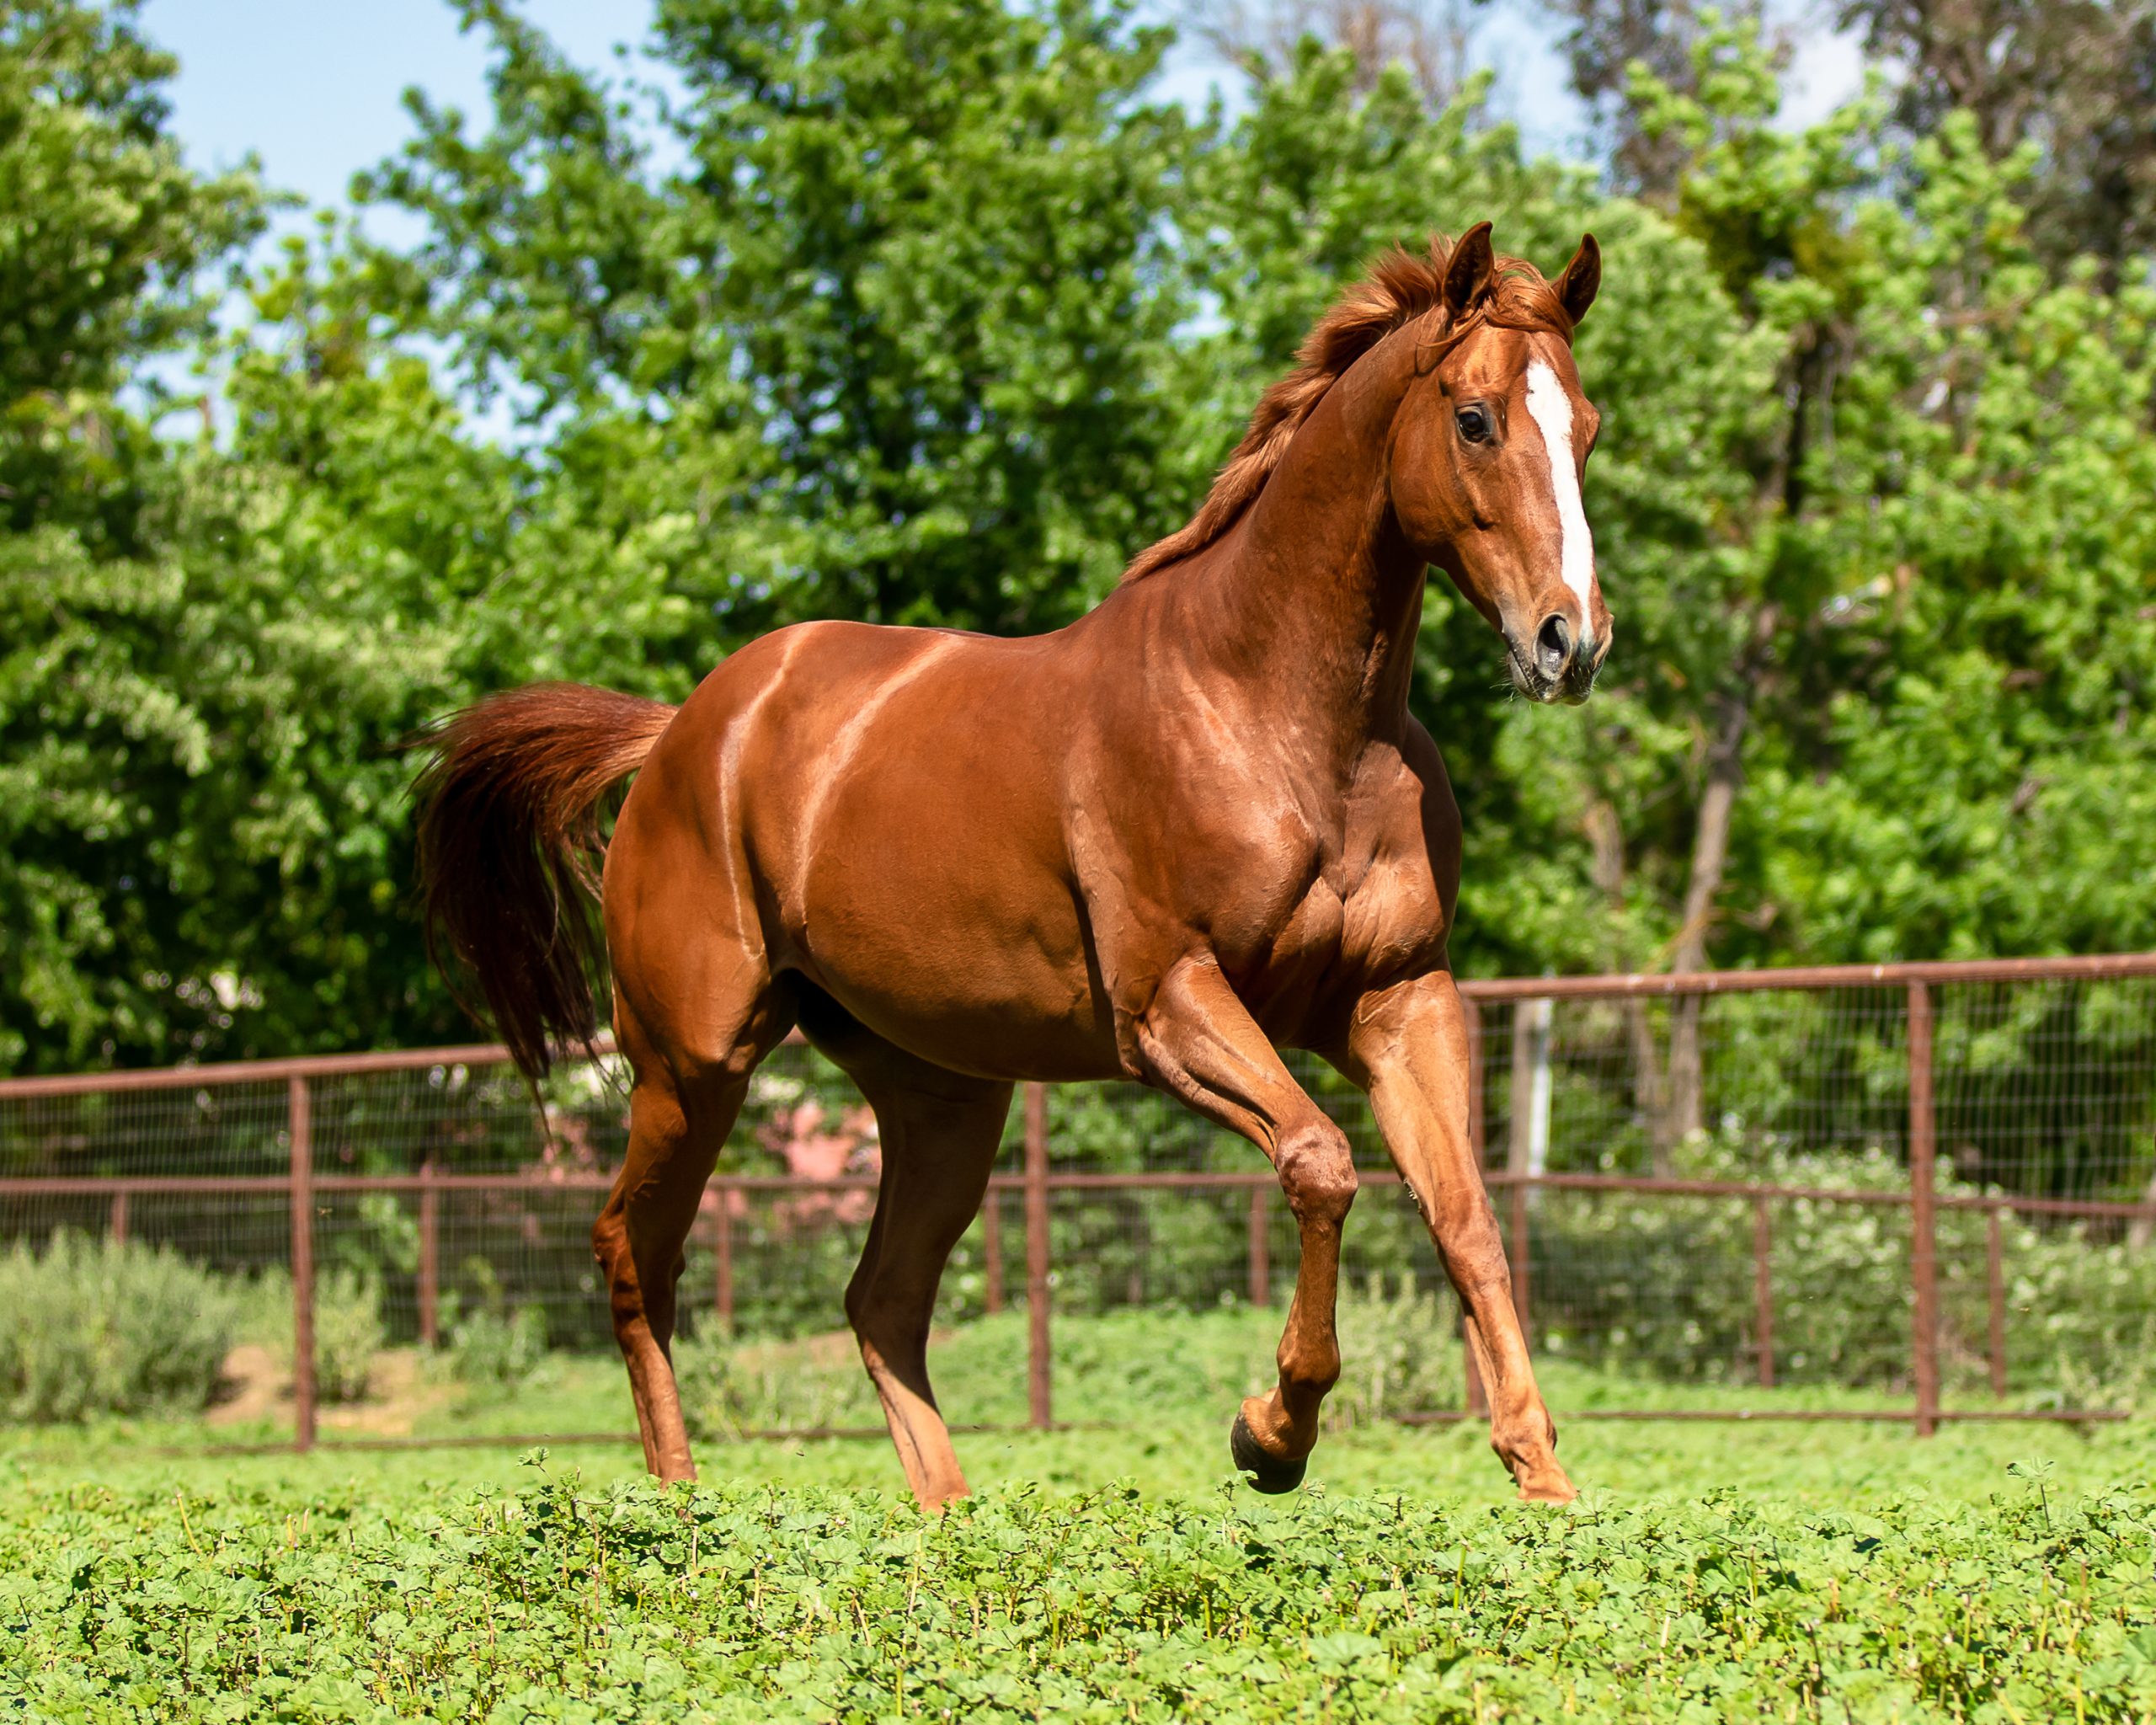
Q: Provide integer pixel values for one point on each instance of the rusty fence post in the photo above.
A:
(1763, 1289)
(991, 1244)
(118, 1225)
(1038, 1372)
(722, 1259)
(299, 1132)
(430, 1293)
(1261, 1245)
(1995, 1288)
(1923, 1237)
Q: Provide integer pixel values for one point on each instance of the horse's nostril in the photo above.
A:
(1553, 644)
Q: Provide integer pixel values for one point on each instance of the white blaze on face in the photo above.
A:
(1551, 408)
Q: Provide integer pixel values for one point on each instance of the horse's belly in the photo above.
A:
(918, 879)
(954, 965)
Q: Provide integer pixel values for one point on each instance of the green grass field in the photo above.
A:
(1784, 1572)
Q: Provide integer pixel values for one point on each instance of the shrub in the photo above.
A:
(348, 1333)
(728, 1389)
(499, 1351)
(105, 1326)
(348, 1326)
(1399, 1352)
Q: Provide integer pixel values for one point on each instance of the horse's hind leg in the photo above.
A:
(940, 1131)
(676, 1128)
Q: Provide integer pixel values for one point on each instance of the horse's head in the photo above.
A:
(1487, 450)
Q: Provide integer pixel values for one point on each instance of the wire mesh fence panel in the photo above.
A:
(1718, 1188)
(200, 1171)
(2048, 1089)
(1727, 1087)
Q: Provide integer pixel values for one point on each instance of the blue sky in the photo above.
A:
(314, 87)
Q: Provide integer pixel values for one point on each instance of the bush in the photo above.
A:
(1399, 1352)
(348, 1333)
(488, 1348)
(348, 1327)
(105, 1327)
(1663, 1287)
(728, 1389)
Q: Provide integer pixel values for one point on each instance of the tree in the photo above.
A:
(110, 255)
(2077, 81)
(1429, 39)
(922, 313)
(914, 272)
(1608, 43)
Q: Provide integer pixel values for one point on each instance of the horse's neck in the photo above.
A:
(1314, 590)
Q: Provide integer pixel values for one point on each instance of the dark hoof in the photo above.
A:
(1269, 1473)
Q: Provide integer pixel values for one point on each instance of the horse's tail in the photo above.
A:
(509, 840)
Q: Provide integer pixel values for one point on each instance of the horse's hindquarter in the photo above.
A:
(892, 795)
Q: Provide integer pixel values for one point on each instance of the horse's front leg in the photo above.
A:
(1198, 1040)
(1408, 1046)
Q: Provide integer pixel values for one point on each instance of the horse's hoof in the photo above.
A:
(1269, 1473)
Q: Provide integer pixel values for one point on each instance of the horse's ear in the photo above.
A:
(1467, 274)
(1583, 276)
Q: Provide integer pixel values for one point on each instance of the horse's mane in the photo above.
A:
(1399, 287)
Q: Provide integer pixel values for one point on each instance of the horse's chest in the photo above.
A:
(1313, 928)
(1386, 920)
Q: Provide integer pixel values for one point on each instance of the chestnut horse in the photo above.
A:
(1195, 827)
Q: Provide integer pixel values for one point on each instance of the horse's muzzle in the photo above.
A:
(1558, 669)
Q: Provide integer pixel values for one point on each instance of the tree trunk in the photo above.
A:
(1651, 1092)
(1684, 1112)
(1527, 1148)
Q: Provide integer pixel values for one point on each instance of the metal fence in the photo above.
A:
(1936, 1183)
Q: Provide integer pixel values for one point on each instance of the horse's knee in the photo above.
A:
(1317, 1172)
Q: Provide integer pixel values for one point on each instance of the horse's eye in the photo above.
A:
(1475, 425)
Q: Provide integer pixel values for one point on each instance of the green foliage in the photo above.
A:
(745, 1602)
(890, 336)
(498, 1352)
(930, 313)
(348, 1333)
(105, 249)
(96, 1326)
(1399, 1352)
(348, 1330)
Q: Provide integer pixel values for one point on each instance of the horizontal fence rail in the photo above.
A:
(2015, 1094)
